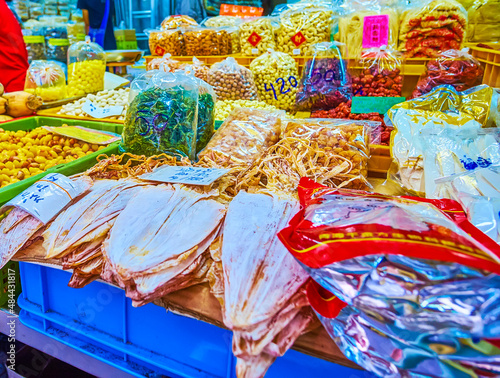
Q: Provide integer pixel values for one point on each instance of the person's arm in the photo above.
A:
(85, 13)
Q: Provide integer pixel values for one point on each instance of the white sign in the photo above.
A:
(98, 112)
(255, 51)
(185, 175)
(47, 197)
(296, 51)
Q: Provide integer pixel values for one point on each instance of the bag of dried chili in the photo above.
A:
(454, 67)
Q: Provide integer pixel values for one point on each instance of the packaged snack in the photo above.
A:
(86, 68)
(453, 67)
(301, 26)
(276, 76)
(325, 82)
(165, 63)
(361, 13)
(484, 17)
(256, 36)
(243, 137)
(380, 73)
(204, 41)
(206, 114)
(163, 42)
(162, 116)
(231, 23)
(76, 31)
(232, 81)
(431, 27)
(47, 80)
(57, 42)
(35, 43)
(178, 21)
(198, 69)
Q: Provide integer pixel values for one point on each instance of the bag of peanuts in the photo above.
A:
(178, 21)
(165, 63)
(256, 36)
(276, 76)
(380, 74)
(302, 25)
(243, 137)
(232, 81)
(325, 82)
(163, 42)
(207, 41)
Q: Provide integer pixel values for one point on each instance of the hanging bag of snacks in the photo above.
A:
(256, 36)
(46, 79)
(232, 81)
(325, 82)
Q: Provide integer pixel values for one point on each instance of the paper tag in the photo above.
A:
(84, 134)
(298, 39)
(34, 39)
(59, 42)
(185, 175)
(374, 104)
(254, 39)
(98, 112)
(47, 197)
(296, 51)
(255, 51)
(375, 31)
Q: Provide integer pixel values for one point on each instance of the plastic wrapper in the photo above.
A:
(380, 75)
(243, 137)
(442, 108)
(198, 69)
(162, 116)
(484, 18)
(256, 36)
(325, 82)
(231, 23)
(204, 41)
(35, 43)
(232, 81)
(178, 21)
(86, 68)
(301, 26)
(276, 77)
(76, 32)
(415, 269)
(165, 63)
(57, 43)
(225, 107)
(351, 25)
(163, 42)
(47, 80)
(453, 67)
(206, 114)
(430, 27)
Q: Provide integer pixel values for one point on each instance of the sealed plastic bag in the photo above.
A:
(256, 36)
(276, 76)
(162, 116)
(380, 73)
(46, 79)
(232, 81)
(484, 18)
(301, 26)
(57, 42)
(430, 27)
(165, 63)
(453, 67)
(231, 23)
(243, 137)
(177, 21)
(35, 43)
(163, 42)
(206, 114)
(198, 69)
(206, 41)
(325, 82)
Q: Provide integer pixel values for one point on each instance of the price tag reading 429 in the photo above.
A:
(281, 86)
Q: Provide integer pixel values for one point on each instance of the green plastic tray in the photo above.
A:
(68, 169)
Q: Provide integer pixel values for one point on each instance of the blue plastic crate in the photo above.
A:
(147, 341)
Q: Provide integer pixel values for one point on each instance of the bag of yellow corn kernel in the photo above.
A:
(302, 25)
(46, 79)
(86, 68)
(276, 76)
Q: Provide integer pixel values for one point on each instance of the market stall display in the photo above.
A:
(86, 68)
(207, 41)
(256, 36)
(231, 23)
(47, 80)
(163, 42)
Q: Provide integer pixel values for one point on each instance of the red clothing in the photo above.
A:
(13, 55)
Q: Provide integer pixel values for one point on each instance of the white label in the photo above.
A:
(98, 112)
(185, 175)
(255, 51)
(296, 51)
(47, 197)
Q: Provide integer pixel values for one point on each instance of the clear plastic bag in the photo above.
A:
(205, 41)
(276, 76)
(432, 26)
(206, 114)
(453, 67)
(198, 69)
(231, 23)
(76, 32)
(301, 26)
(484, 18)
(47, 80)
(256, 36)
(165, 63)
(178, 21)
(381, 73)
(243, 137)
(162, 116)
(35, 43)
(57, 42)
(163, 42)
(232, 81)
(325, 81)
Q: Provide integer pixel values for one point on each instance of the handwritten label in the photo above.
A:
(374, 104)
(254, 39)
(98, 112)
(47, 197)
(375, 31)
(298, 39)
(281, 82)
(185, 175)
(84, 134)
(317, 76)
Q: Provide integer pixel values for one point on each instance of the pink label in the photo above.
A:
(375, 31)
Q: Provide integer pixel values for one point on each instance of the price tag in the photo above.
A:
(374, 104)
(254, 39)
(375, 31)
(296, 51)
(298, 39)
(98, 112)
(84, 134)
(47, 197)
(255, 51)
(185, 175)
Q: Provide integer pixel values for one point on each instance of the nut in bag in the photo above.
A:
(163, 42)
(207, 41)
(256, 36)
